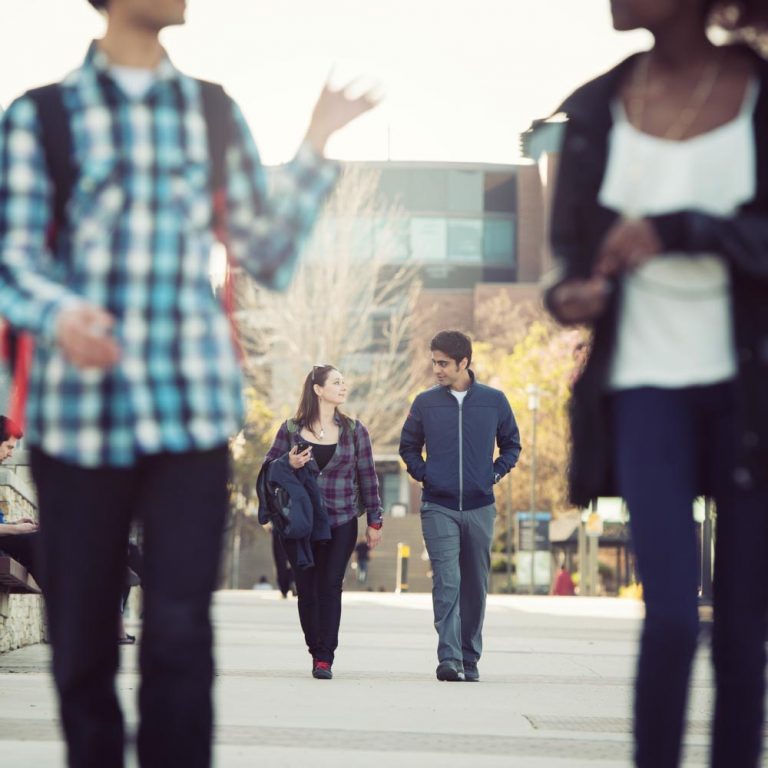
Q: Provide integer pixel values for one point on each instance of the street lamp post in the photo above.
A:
(239, 505)
(509, 534)
(533, 406)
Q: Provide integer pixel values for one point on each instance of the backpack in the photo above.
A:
(274, 502)
(56, 135)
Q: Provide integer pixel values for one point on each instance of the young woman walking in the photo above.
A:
(338, 450)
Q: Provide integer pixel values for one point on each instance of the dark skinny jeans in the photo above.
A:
(667, 443)
(320, 586)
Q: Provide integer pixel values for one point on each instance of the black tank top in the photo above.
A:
(322, 454)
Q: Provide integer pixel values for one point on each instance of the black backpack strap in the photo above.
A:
(217, 113)
(56, 137)
(352, 424)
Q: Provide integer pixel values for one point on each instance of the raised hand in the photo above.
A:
(334, 110)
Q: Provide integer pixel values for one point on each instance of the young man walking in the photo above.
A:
(460, 422)
(135, 386)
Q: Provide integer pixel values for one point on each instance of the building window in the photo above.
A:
(465, 240)
(500, 193)
(428, 239)
(499, 242)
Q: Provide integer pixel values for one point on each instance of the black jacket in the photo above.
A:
(579, 224)
(459, 471)
(305, 517)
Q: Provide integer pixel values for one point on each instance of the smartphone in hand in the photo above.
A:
(301, 446)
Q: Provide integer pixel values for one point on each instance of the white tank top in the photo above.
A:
(675, 326)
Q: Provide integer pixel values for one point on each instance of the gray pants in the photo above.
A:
(459, 546)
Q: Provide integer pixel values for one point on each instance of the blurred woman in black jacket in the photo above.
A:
(660, 228)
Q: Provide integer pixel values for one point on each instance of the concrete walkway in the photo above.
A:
(556, 689)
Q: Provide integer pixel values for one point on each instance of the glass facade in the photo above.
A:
(453, 217)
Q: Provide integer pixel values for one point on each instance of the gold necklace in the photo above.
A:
(688, 114)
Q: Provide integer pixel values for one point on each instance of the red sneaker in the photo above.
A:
(321, 670)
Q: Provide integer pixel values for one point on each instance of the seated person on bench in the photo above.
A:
(18, 538)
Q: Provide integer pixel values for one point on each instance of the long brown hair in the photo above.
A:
(308, 411)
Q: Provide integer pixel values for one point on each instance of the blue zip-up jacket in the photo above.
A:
(308, 518)
(459, 471)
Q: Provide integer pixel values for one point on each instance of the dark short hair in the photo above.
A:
(8, 429)
(455, 344)
(99, 5)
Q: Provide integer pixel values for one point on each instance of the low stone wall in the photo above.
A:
(22, 617)
(22, 621)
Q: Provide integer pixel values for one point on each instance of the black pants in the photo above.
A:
(23, 547)
(319, 589)
(667, 443)
(85, 516)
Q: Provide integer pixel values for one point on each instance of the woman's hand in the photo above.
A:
(298, 460)
(627, 245)
(373, 537)
(580, 301)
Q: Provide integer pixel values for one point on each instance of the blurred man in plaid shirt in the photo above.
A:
(135, 385)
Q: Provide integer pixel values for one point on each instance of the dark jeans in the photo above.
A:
(24, 548)
(668, 442)
(319, 589)
(85, 515)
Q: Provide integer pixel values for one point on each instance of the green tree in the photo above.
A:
(540, 355)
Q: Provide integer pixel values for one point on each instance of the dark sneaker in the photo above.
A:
(471, 675)
(322, 670)
(450, 671)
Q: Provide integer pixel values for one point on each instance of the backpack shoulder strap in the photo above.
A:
(352, 424)
(291, 426)
(56, 136)
(217, 113)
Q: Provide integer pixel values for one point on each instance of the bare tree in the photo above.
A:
(351, 304)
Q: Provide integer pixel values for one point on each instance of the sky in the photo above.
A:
(461, 79)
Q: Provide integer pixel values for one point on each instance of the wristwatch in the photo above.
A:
(496, 477)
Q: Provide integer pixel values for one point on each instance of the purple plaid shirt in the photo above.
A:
(349, 472)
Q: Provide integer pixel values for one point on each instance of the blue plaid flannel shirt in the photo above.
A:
(137, 242)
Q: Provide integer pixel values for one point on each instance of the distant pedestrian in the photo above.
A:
(19, 537)
(363, 552)
(337, 450)
(660, 226)
(286, 582)
(563, 584)
(460, 422)
(263, 584)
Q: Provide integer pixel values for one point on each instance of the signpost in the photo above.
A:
(533, 551)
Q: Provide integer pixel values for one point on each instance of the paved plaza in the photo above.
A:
(555, 691)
